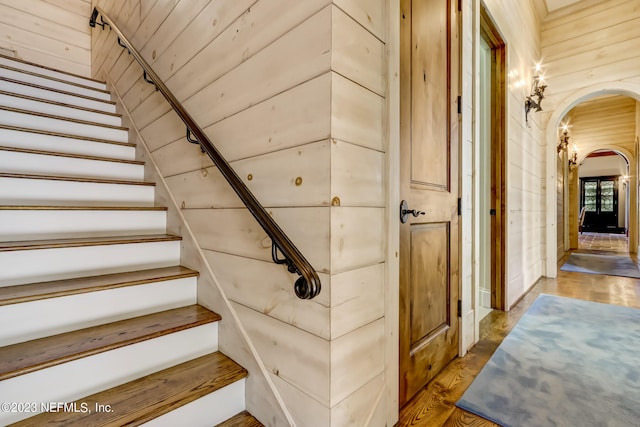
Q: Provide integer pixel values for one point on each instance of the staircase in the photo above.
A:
(100, 322)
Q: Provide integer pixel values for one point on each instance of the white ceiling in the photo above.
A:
(557, 4)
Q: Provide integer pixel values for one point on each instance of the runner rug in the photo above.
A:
(567, 362)
(612, 265)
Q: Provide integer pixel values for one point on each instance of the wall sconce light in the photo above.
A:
(534, 100)
(573, 158)
(564, 140)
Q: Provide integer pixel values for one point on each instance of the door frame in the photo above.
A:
(489, 31)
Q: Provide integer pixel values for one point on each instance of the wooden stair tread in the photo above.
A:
(69, 155)
(81, 208)
(58, 104)
(84, 241)
(66, 135)
(58, 288)
(49, 68)
(44, 76)
(243, 419)
(73, 178)
(144, 399)
(66, 119)
(50, 89)
(30, 356)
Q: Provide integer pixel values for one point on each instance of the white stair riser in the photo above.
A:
(51, 73)
(56, 96)
(11, 118)
(36, 141)
(38, 319)
(73, 380)
(29, 163)
(22, 191)
(39, 265)
(53, 84)
(209, 410)
(60, 224)
(58, 110)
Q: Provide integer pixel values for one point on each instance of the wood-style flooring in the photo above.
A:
(434, 405)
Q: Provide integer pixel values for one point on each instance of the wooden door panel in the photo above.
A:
(429, 94)
(429, 182)
(430, 284)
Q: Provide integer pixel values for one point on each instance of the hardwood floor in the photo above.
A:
(434, 405)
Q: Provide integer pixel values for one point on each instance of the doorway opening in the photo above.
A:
(491, 170)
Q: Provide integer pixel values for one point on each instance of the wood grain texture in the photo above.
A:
(83, 241)
(144, 399)
(30, 356)
(243, 419)
(434, 405)
(58, 288)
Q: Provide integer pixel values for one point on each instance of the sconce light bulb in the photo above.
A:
(565, 127)
(538, 67)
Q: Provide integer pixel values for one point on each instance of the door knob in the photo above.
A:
(405, 212)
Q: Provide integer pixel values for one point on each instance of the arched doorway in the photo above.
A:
(553, 134)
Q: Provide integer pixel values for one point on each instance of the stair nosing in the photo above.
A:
(64, 92)
(81, 285)
(44, 76)
(200, 314)
(67, 119)
(59, 104)
(51, 69)
(74, 179)
(70, 155)
(66, 135)
(27, 245)
(209, 373)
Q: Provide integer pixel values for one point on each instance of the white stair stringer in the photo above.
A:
(21, 161)
(33, 68)
(42, 92)
(42, 80)
(23, 102)
(52, 222)
(73, 380)
(39, 265)
(31, 139)
(51, 316)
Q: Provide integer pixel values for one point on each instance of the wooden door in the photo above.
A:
(429, 177)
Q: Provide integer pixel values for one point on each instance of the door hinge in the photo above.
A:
(460, 308)
(459, 104)
(459, 5)
(459, 206)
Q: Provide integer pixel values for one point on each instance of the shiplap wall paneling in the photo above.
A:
(590, 43)
(54, 34)
(313, 153)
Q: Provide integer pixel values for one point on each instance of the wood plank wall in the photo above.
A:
(525, 168)
(293, 95)
(590, 43)
(54, 33)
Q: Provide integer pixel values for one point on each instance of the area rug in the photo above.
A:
(568, 363)
(612, 265)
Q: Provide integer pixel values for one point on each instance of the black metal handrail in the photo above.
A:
(307, 285)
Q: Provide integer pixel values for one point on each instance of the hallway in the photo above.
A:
(435, 406)
(603, 242)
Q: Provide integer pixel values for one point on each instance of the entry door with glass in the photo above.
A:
(600, 197)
